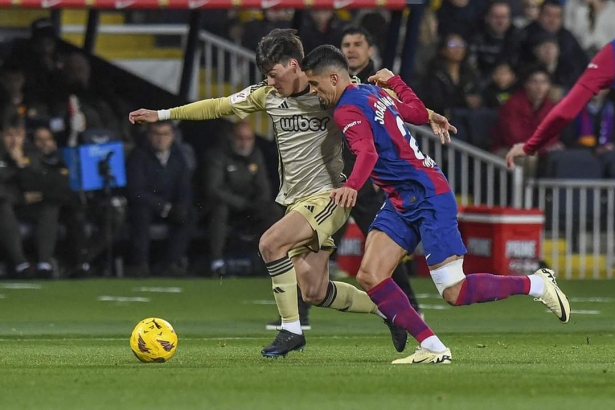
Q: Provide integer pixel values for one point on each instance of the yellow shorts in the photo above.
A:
(324, 217)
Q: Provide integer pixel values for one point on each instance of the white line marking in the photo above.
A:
(106, 298)
(18, 285)
(158, 289)
(434, 307)
(259, 302)
(585, 312)
(592, 299)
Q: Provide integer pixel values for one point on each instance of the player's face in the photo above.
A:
(324, 85)
(357, 51)
(285, 78)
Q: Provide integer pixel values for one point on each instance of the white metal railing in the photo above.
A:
(580, 224)
(478, 177)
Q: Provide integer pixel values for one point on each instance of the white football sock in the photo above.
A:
(434, 344)
(537, 286)
(293, 327)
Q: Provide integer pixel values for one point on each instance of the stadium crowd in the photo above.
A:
(494, 68)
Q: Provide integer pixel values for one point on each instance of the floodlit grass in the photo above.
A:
(65, 348)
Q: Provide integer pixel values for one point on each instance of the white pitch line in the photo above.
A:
(259, 302)
(434, 307)
(594, 299)
(585, 312)
(106, 298)
(2, 296)
(109, 339)
(18, 285)
(158, 289)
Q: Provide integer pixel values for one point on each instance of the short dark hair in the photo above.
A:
(352, 30)
(555, 3)
(277, 47)
(322, 57)
(532, 69)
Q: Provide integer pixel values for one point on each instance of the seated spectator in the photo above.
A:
(13, 99)
(531, 9)
(460, 17)
(497, 41)
(550, 22)
(451, 82)
(159, 191)
(426, 47)
(592, 22)
(100, 106)
(238, 189)
(320, 26)
(502, 85)
(520, 116)
(595, 124)
(255, 30)
(546, 51)
(29, 196)
(72, 211)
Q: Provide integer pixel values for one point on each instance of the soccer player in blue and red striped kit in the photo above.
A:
(420, 205)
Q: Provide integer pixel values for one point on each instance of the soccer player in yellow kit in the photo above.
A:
(297, 247)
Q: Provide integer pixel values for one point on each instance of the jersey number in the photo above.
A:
(413, 143)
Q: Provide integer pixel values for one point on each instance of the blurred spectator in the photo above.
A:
(320, 26)
(531, 9)
(72, 212)
(451, 82)
(460, 17)
(39, 59)
(503, 83)
(238, 190)
(358, 47)
(595, 123)
(97, 101)
(592, 22)
(159, 191)
(13, 99)
(546, 51)
(375, 22)
(427, 45)
(497, 41)
(550, 22)
(520, 116)
(255, 30)
(29, 194)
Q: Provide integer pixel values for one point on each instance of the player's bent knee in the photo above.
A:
(366, 279)
(448, 279)
(313, 296)
(268, 247)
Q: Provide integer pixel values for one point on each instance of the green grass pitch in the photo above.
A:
(65, 346)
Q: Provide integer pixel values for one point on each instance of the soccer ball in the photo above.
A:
(153, 340)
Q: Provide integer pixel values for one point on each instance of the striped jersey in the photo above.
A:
(309, 143)
(373, 123)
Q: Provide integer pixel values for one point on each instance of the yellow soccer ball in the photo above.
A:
(153, 340)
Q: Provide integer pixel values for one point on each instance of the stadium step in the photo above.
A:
(20, 18)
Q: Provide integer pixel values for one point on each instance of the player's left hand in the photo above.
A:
(381, 77)
(515, 151)
(442, 128)
(345, 197)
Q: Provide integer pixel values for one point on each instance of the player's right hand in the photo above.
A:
(143, 116)
(381, 77)
(515, 151)
(345, 197)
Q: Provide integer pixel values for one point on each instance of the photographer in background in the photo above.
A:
(159, 190)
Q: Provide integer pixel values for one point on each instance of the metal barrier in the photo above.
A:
(478, 177)
(580, 224)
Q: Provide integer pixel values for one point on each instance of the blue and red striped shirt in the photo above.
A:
(373, 124)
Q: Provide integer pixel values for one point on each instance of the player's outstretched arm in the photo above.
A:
(243, 103)
(413, 112)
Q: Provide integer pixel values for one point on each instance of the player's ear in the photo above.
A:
(334, 78)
